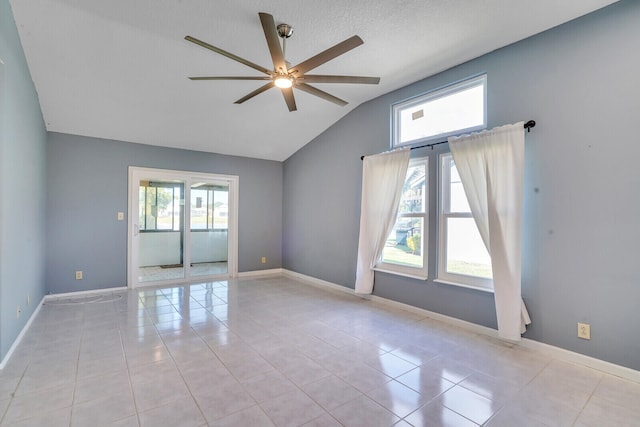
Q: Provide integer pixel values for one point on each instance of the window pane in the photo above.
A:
(198, 209)
(457, 198)
(175, 208)
(449, 111)
(413, 192)
(151, 211)
(164, 208)
(466, 253)
(142, 192)
(210, 202)
(221, 209)
(438, 116)
(405, 244)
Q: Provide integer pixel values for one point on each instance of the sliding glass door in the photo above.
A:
(182, 226)
(160, 230)
(209, 229)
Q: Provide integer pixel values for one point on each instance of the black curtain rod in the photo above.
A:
(528, 125)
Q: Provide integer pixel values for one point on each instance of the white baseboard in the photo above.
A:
(84, 293)
(319, 282)
(549, 350)
(274, 271)
(581, 359)
(18, 339)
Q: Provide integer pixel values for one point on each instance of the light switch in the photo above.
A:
(120, 216)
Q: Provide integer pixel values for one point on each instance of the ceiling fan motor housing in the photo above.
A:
(285, 31)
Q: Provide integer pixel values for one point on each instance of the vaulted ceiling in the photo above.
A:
(118, 69)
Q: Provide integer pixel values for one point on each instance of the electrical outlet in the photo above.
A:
(584, 331)
(78, 275)
(264, 259)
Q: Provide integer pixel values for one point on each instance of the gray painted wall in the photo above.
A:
(87, 186)
(22, 190)
(582, 210)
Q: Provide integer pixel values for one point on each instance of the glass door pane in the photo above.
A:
(161, 230)
(209, 215)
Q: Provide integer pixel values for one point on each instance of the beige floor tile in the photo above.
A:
(364, 412)
(268, 351)
(425, 381)
(268, 386)
(182, 412)
(331, 392)
(103, 411)
(291, 409)
(56, 418)
(111, 384)
(619, 391)
(221, 401)
(398, 398)
(436, 415)
(253, 416)
(600, 412)
(468, 404)
(325, 420)
(33, 404)
(364, 378)
(159, 391)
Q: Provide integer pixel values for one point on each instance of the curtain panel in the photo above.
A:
(491, 168)
(383, 176)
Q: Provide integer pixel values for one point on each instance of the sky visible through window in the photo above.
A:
(461, 110)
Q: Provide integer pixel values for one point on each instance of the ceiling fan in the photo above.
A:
(283, 75)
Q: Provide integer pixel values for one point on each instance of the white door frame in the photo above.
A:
(135, 175)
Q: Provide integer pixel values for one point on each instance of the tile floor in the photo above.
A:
(272, 351)
(155, 272)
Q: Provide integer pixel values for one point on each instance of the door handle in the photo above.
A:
(136, 229)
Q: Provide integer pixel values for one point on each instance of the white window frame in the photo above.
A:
(405, 270)
(444, 92)
(443, 276)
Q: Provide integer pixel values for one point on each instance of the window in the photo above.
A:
(209, 207)
(405, 251)
(160, 206)
(452, 110)
(463, 258)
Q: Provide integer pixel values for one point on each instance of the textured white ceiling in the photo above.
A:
(118, 69)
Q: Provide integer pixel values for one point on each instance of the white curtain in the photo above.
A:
(491, 168)
(383, 176)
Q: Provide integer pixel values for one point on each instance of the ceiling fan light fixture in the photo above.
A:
(283, 82)
(283, 75)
